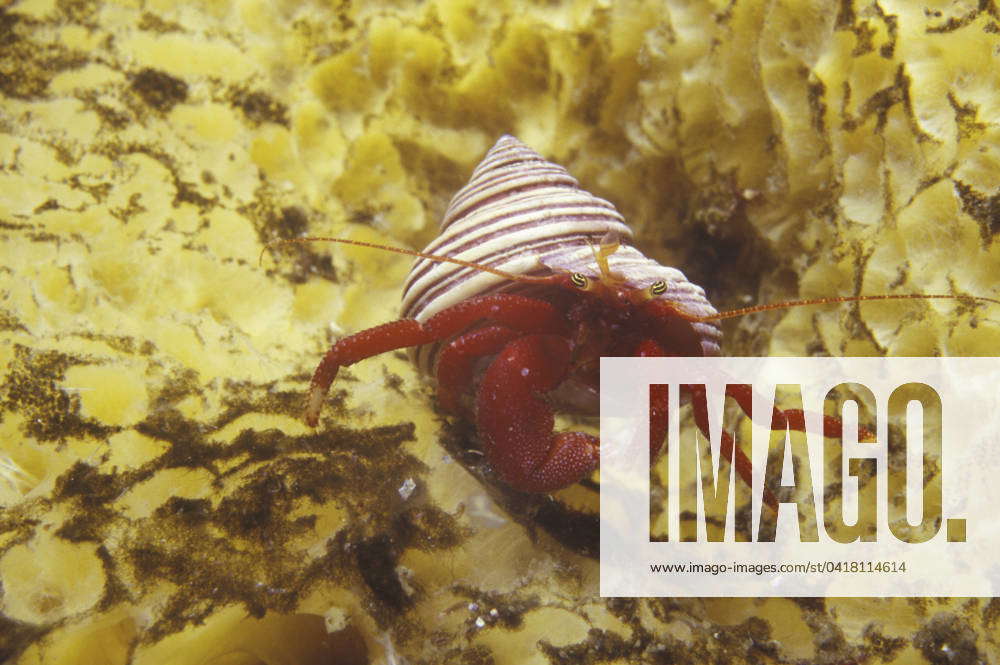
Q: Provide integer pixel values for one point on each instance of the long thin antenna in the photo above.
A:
(547, 279)
(742, 311)
(410, 252)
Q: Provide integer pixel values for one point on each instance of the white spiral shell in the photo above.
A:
(527, 216)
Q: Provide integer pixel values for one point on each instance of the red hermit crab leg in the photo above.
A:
(456, 364)
(733, 455)
(658, 421)
(516, 424)
(527, 315)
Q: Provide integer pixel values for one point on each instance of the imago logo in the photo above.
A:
(850, 476)
(811, 508)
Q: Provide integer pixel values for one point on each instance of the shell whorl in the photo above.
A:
(527, 216)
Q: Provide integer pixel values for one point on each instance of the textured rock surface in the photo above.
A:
(161, 500)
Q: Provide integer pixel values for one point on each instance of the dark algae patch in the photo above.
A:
(600, 646)
(31, 388)
(259, 107)
(495, 609)
(376, 559)
(297, 262)
(235, 550)
(749, 641)
(984, 209)
(159, 90)
(14, 636)
(947, 639)
(236, 546)
(27, 64)
(881, 646)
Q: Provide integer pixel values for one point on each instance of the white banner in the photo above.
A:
(898, 499)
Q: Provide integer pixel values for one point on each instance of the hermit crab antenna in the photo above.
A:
(742, 311)
(410, 252)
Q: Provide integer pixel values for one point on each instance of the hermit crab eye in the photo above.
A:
(658, 288)
(579, 281)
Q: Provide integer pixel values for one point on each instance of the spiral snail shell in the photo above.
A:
(527, 216)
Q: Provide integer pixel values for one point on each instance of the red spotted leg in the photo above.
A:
(795, 419)
(658, 395)
(524, 314)
(658, 420)
(457, 362)
(744, 467)
(516, 425)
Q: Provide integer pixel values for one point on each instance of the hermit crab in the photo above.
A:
(530, 282)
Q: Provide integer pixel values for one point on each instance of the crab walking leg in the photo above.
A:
(792, 419)
(734, 455)
(521, 313)
(658, 420)
(658, 396)
(516, 425)
(457, 362)
(795, 419)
